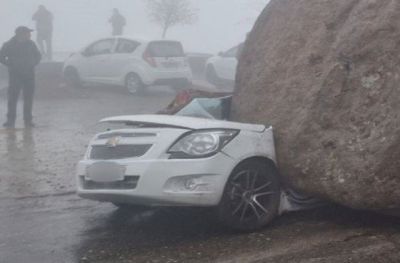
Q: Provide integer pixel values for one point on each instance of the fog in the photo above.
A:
(221, 24)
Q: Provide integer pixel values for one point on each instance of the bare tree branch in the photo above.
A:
(169, 13)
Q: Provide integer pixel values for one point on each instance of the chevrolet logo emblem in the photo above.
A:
(113, 142)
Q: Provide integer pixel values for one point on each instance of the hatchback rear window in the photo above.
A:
(166, 49)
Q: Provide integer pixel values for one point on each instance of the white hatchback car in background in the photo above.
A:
(129, 62)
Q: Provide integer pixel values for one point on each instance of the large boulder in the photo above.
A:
(326, 75)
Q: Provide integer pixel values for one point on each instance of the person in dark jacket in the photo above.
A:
(44, 29)
(21, 56)
(117, 22)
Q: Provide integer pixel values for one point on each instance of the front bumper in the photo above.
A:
(196, 182)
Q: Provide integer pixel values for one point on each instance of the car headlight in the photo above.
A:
(201, 144)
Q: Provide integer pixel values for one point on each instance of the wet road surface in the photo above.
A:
(41, 219)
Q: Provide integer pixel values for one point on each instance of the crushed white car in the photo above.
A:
(159, 160)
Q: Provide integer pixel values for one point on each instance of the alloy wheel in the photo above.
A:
(134, 83)
(251, 197)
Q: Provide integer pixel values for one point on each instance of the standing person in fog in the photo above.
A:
(44, 28)
(21, 56)
(117, 22)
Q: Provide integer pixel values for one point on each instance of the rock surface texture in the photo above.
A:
(326, 75)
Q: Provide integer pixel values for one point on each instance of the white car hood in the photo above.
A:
(182, 122)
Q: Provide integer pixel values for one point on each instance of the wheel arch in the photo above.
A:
(68, 68)
(209, 67)
(131, 72)
(139, 70)
(261, 158)
(72, 77)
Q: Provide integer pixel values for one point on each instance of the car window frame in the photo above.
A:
(128, 40)
(156, 42)
(90, 54)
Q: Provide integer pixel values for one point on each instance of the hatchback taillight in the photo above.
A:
(149, 59)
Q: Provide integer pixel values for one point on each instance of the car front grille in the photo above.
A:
(103, 152)
(129, 183)
(125, 135)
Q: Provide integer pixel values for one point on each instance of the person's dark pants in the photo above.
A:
(24, 82)
(42, 39)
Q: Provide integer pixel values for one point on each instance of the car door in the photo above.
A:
(122, 59)
(226, 65)
(95, 66)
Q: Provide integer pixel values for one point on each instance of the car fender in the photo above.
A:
(70, 62)
(243, 158)
(75, 61)
(250, 145)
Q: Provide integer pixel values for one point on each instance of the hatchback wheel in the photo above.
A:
(134, 84)
(251, 197)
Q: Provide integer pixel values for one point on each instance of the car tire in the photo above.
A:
(251, 196)
(212, 77)
(72, 78)
(134, 84)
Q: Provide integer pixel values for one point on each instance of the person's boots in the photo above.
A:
(29, 124)
(9, 125)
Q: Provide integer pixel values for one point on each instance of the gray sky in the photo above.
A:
(221, 23)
